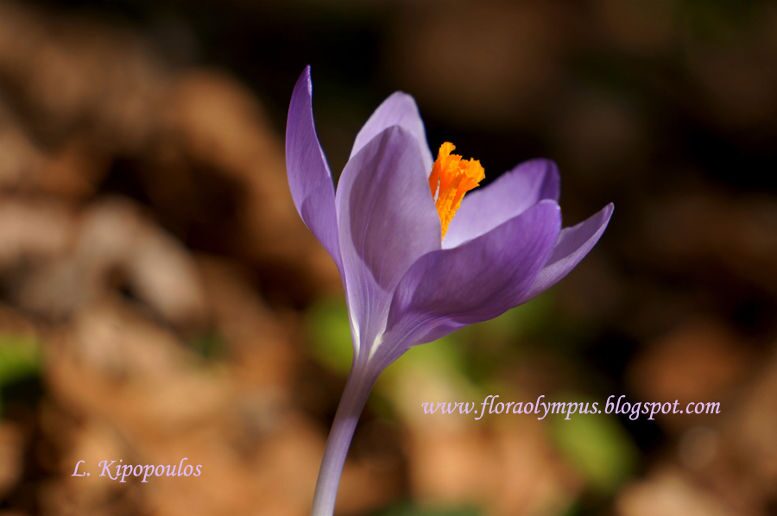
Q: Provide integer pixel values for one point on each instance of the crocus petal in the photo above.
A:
(309, 178)
(398, 109)
(476, 281)
(511, 194)
(573, 245)
(387, 219)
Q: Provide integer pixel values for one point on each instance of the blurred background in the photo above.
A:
(160, 299)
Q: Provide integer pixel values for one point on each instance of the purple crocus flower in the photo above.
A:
(419, 260)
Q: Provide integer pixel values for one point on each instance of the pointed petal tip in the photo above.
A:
(606, 213)
(597, 222)
(595, 225)
(573, 245)
(551, 206)
(304, 78)
(399, 94)
(549, 202)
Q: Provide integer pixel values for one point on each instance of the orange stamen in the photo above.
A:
(451, 178)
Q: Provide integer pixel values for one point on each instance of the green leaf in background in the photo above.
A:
(597, 446)
(443, 356)
(327, 331)
(492, 344)
(209, 345)
(516, 323)
(19, 358)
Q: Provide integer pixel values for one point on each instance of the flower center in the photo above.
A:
(451, 178)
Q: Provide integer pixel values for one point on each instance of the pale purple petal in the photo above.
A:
(398, 109)
(476, 281)
(573, 245)
(387, 220)
(309, 178)
(511, 194)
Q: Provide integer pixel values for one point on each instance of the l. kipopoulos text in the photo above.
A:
(542, 408)
(119, 471)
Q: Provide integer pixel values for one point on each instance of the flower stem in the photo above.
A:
(357, 390)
